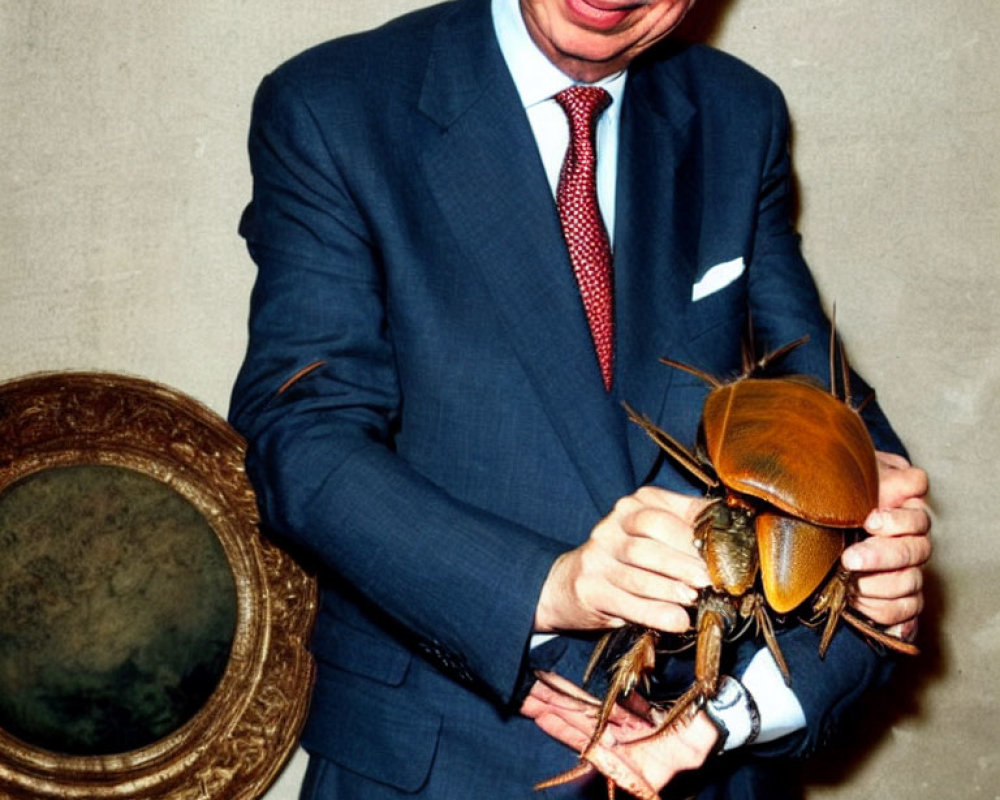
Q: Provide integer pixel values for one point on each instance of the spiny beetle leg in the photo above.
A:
(832, 602)
(753, 605)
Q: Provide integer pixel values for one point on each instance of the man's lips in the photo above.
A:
(611, 5)
(601, 14)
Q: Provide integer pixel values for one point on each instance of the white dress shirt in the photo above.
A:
(759, 707)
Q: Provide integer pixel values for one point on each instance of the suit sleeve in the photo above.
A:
(318, 399)
(784, 304)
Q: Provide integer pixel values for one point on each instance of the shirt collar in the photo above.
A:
(537, 79)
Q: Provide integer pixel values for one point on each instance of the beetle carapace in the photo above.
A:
(794, 446)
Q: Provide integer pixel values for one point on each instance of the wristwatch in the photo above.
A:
(734, 712)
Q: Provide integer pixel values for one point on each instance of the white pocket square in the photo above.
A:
(718, 277)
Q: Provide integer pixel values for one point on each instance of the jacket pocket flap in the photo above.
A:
(357, 651)
(371, 729)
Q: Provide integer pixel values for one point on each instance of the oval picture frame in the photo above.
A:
(235, 744)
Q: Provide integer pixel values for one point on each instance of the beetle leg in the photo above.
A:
(892, 642)
(602, 646)
(628, 671)
(582, 768)
(711, 627)
(753, 605)
(715, 616)
(832, 601)
(672, 447)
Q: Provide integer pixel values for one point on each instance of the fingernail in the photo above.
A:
(853, 560)
(677, 620)
(874, 521)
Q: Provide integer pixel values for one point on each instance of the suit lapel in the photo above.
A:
(485, 149)
(656, 245)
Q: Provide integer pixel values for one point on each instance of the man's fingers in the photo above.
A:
(899, 539)
(621, 593)
(666, 617)
(887, 554)
(891, 585)
(570, 734)
(909, 519)
(651, 573)
(891, 598)
(898, 480)
(638, 565)
(663, 616)
(890, 612)
(552, 693)
(547, 694)
(662, 528)
(888, 460)
(686, 507)
(889, 581)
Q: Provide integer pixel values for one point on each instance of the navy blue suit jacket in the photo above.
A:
(425, 415)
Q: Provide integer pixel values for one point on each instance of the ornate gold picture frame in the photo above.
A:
(152, 643)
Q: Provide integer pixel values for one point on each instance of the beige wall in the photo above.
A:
(123, 174)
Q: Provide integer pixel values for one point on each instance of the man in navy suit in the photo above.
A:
(428, 422)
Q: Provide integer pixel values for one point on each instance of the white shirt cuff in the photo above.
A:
(757, 708)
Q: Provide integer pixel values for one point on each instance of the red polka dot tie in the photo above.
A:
(583, 228)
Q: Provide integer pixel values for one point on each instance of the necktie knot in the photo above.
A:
(583, 105)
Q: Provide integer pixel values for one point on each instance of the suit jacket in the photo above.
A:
(425, 415)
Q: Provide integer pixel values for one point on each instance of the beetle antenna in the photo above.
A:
(837, 348)
(748, 348)
(845, 374)
(864, 403)
(680, 647)
(671, 447)
(781, 352)
(711, 380)
(833, 350)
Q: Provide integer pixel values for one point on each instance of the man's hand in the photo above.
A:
(889, 562)
(639, 565)
(625, 753)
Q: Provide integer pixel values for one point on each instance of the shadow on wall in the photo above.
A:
(900, 700)
(704, 21)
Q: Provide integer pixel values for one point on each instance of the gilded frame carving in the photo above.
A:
(237, 742)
